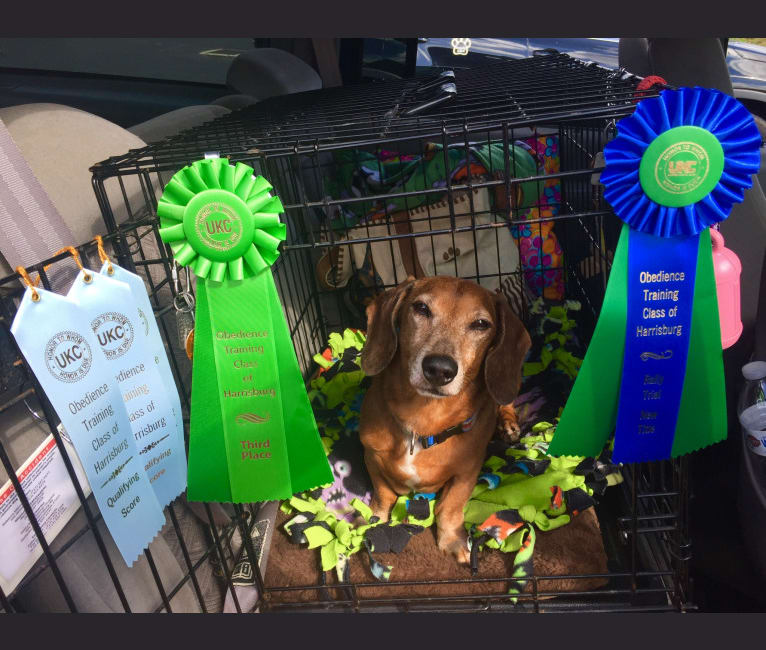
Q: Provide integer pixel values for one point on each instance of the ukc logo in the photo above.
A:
(218, 226)
(114, 333)
(682, 168)
(68, 356)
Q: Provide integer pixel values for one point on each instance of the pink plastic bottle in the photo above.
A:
(727, 269)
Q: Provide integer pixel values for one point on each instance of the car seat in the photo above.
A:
(253, 76)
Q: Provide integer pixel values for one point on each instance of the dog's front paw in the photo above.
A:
(455, 544)
(508, 424)
(381, 513)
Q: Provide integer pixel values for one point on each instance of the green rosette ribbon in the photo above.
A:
(252, 435)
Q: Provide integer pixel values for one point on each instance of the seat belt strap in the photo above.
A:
(31, 226)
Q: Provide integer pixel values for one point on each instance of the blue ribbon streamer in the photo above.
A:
(656, 344)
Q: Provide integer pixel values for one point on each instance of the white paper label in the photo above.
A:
(50, 492)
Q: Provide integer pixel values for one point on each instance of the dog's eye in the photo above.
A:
(481, 324)
(421, 308)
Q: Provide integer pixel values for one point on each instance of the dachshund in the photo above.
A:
(445, 355)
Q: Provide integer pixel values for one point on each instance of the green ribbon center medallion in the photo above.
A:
(681, 166)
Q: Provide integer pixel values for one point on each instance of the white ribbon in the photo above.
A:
(55, 337)
(121, 335)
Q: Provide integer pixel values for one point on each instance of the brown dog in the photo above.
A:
(445, 353)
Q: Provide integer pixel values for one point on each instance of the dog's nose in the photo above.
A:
(439, 369)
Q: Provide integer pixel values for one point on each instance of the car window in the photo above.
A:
(201, 60)
(387, 55)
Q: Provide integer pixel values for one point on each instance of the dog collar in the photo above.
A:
(426, 442)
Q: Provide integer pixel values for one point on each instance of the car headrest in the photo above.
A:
(268, 72)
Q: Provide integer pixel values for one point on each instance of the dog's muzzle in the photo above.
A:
(439, 369)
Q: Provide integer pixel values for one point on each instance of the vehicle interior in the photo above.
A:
(69, 103)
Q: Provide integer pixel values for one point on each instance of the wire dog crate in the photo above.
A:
(358, 224)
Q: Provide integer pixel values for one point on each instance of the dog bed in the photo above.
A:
(574, 549)
(529, 514)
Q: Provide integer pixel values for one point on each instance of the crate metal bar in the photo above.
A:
(8, 465)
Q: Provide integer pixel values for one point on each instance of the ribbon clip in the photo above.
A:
(102, 254)
(86, 276)
(184, 299)
(30, 284)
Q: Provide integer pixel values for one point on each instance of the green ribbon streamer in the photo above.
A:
(702, 418)
(252, 435)
(309, 466)
(590, 414)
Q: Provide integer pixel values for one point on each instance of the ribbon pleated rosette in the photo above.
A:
(653, 373)
(252, 434)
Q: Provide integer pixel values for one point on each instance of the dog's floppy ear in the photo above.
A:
(502, 364)
(382, 337)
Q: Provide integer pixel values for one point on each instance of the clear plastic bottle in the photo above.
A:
(752, 407)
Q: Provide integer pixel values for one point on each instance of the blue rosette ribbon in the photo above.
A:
(653, 373)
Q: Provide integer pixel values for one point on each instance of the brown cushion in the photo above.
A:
(574, 549)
